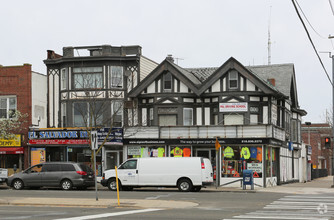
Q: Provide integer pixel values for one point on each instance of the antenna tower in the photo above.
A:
(269, 42)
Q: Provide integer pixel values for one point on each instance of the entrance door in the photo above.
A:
(206, 153)
(111, 160)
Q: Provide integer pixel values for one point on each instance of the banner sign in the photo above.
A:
(37, 155)
(134, 150)
(11, 142)
(256, 167)
(233, 107)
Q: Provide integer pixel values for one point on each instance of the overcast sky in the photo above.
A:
(200, 33)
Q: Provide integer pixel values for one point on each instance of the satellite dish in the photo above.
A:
(127, 73)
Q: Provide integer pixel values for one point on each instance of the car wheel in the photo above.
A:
(196, 188)
(18, 184)
(66, 184)
(112, 185)
(184, 185)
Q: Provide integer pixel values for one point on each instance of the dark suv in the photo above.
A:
(54, 174)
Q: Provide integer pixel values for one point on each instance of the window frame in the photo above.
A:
(8, 108)
(167, 82)
(186, 121)
(85, 73)
(117, 75)
(232, 79)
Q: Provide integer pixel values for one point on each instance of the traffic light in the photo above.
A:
(327, 142)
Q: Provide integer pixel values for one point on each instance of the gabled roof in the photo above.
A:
(282, 73)
(183, 75)
(232, 63)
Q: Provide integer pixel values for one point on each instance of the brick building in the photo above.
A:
(23, 90)
(314, 135)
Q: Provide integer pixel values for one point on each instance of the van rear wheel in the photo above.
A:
(184, 185)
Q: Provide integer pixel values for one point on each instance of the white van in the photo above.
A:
(186, 173)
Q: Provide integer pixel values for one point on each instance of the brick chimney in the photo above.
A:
(271, 81)
(170, 58)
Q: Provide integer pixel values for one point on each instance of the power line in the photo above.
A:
(309, 37)
(330, 3)
(310, 22)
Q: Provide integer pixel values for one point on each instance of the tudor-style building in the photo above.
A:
(87, 87)
(252, 111)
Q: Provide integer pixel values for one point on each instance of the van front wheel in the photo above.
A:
(184, 185)
(112, 184)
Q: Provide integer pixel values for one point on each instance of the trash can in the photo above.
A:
(247, 179)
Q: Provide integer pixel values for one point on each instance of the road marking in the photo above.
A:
(104, 215)
(294, 207)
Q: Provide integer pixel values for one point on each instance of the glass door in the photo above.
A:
(111, 159)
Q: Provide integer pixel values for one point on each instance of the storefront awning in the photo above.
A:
(11, 150)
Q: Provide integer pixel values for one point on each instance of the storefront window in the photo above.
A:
(180, 152)
(271, 162)
(238, 158)
(138, 152)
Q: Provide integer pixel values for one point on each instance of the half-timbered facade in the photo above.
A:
(87, 87)
(252, 111)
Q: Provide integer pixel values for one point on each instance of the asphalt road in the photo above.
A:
(210, 205)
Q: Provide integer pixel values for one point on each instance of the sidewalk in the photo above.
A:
(320, 185)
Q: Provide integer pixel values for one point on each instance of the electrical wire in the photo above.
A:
(309, 37)
(309, 22)
(330, 3)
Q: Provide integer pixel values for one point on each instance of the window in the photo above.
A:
(117, 113)
(130, 164)
(294, 131)
(233, 119)
(85, 114)
(63, 115)
(233, 79)
(7, 107)
(51, 168)
(88, 77)
(187, 116)
(151, 116)
(67, 167)
(167, 81)
(63, 79)
(167, 120)
(116, 76)
(80, 114)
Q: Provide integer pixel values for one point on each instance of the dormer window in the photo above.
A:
(167, 81)
(233, 79)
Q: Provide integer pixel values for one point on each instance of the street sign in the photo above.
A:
(93, 138)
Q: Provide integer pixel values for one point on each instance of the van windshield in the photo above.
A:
(130, 164)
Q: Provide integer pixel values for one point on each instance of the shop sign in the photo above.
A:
(134, 150)
(58, 141)
(256, 167)
(52, 134)
(233, 107)
(75, 136)
(11, 142)
(196, 141)
(115, 136)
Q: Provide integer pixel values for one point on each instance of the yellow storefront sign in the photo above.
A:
(11, 142)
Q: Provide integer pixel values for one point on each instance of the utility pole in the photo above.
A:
(332, 83)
